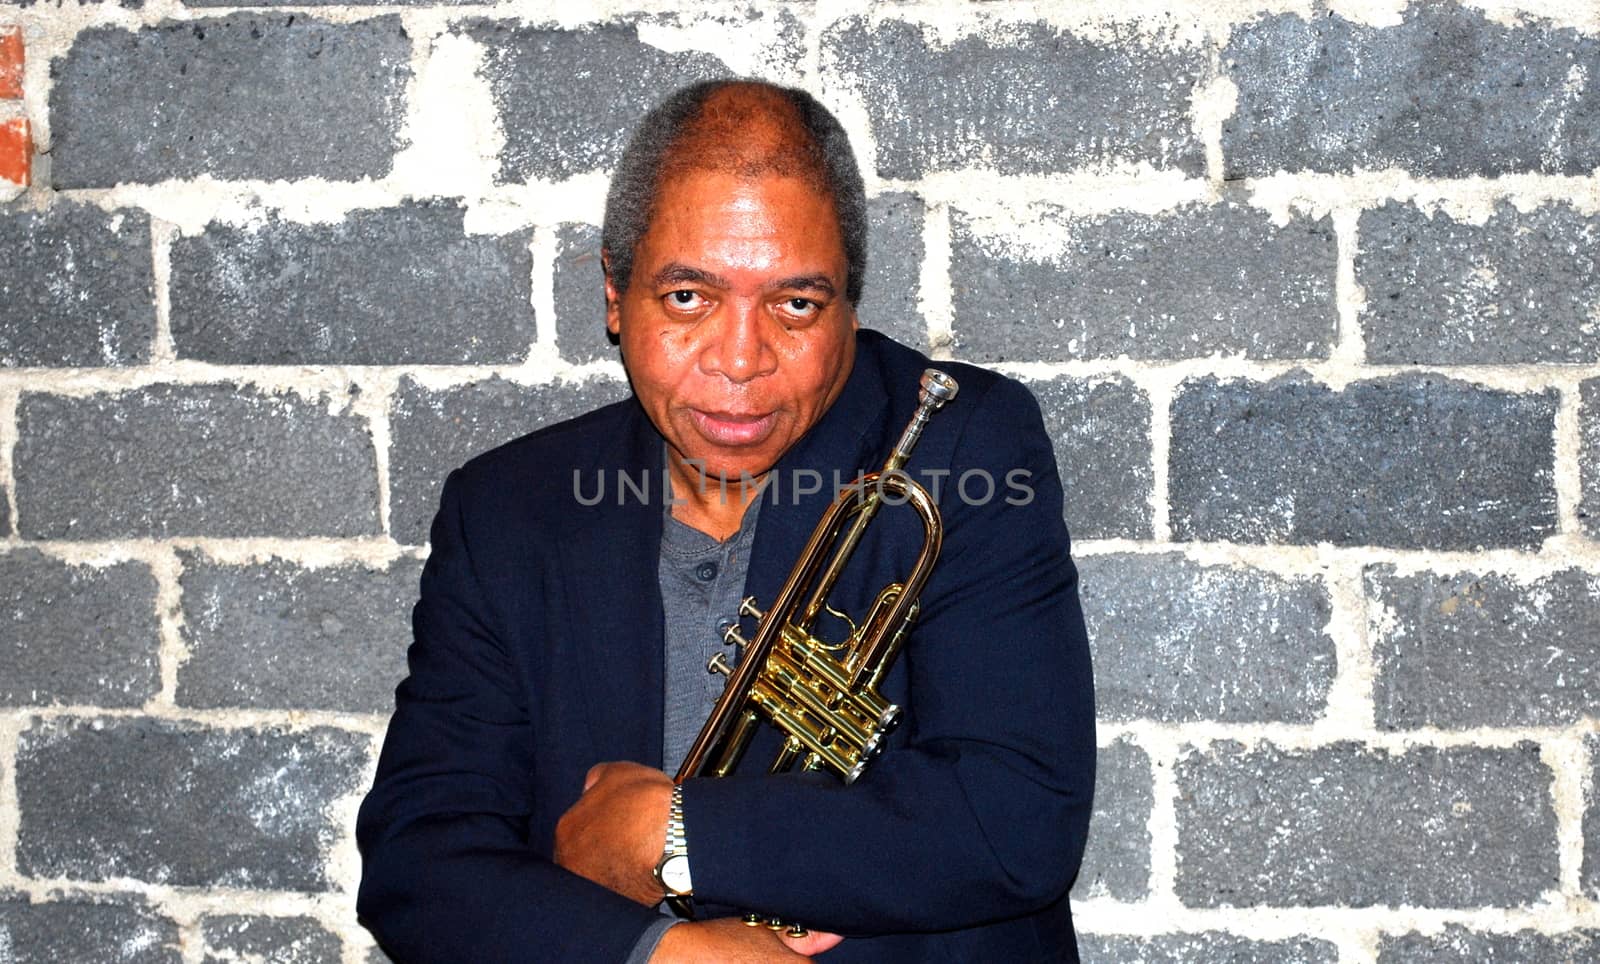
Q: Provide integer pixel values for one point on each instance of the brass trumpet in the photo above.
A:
(822, 697)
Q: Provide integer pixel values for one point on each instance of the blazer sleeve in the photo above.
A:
(983, 813)
(448, 872)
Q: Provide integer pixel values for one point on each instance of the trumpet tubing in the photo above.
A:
(824, 698)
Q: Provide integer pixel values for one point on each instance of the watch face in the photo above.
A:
(674, 874)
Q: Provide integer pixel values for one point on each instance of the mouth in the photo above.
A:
(733, 428)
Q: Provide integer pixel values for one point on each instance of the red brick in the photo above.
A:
(10, 62)
(16, 151)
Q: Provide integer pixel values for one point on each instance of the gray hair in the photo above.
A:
(656, 149)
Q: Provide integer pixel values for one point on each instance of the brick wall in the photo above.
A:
(1311, 298)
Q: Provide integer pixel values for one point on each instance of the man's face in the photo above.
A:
(735, 329)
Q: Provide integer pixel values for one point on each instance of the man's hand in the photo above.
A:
(614, 834)
(729, 940)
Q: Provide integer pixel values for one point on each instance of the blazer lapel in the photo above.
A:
(614, 597)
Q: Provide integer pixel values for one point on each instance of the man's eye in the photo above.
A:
(683, 299)
(801, 307)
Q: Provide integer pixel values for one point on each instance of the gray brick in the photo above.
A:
(375, 955)
(1590, 873)
(77, 289)
(1101, 431)
(176, 460)
(1177, 641)
(1534, 648)
(272, 940)
(1589, 456)
(1199, 280)
(279, 96)
(395, 286)
(1347, 825)
(101, 929)
(181, 804)
(76, 634)
(1034, 101)
(1457, 945)
(1413, 461)
(275, 635)
(436, 431)
(1520, 288)
(569, 98)
(1208, 947)
(580, 296)
(1446, 93)
(894, 269)
(1117, 861)
(124, 4)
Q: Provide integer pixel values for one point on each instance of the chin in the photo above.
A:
(731, 471)
(727, 464)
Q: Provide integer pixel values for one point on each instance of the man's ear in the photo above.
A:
(613, 299)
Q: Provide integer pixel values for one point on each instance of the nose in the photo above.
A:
(739, 348)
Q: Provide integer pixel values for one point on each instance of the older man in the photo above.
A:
(521, 808)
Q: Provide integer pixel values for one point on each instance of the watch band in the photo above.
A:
(672, 871)
(677, 840)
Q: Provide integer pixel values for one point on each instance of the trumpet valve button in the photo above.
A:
(731, 637)
(796, 931)
(718, 664)
(747, 607)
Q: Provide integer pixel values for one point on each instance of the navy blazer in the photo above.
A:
(538, 652)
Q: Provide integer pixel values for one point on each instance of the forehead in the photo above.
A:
(707, 215)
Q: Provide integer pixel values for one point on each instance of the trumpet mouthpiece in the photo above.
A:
(937, 388)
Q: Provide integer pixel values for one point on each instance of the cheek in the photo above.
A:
(813, 366)
(661, 357)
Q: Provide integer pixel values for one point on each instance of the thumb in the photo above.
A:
(815, 942)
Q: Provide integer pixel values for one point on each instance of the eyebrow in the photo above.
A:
(674, 272)
(807, 282)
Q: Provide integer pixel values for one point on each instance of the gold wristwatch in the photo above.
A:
(672, 870)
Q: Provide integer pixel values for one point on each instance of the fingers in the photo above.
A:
(815, 942)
